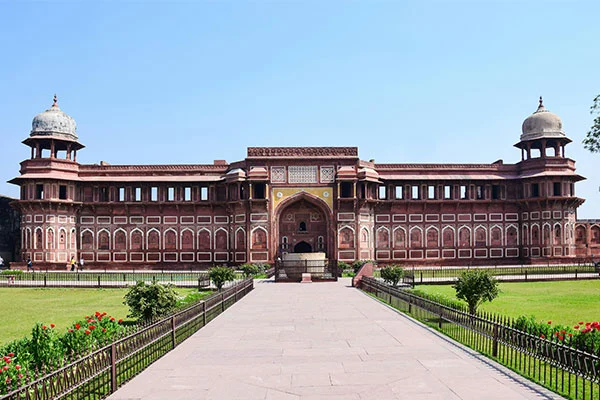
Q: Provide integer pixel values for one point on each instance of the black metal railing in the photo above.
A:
(292, 270)
(102, 372)
(103, 279)
(530, 273)
(554, 363)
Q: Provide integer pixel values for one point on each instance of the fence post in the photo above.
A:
(495, 341)
(113, 368)
(173, 330)
(204, 313)
(575, 273)
(45, 280)
(222, 302)
(199, 283)
(525, 274)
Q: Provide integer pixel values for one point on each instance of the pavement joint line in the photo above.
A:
(507, 372)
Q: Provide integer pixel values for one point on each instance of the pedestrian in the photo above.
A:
(81, 262)
(72, 262)
(29, 264)
(1, 262)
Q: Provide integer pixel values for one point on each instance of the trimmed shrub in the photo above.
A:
(11, 272)
(392, 274)
(147, 302)
(220, 275)
(250, 270)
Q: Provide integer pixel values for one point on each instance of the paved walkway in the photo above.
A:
(322, 341)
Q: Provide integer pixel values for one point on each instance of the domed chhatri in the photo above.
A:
(542, 124)
(54, 122)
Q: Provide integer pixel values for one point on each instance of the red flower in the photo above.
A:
(7, 360)
(563, 331)
(561, 337)
(5, 368)
(87, 317)
(77, 326)
(569, 334)
(11, 354)
(581, 323)
(91, 327)
(52, 325)
(555, 333)
(44, 327)
(549, 322)
(576, 327)
(20, 376)
(87, 332)
(97, 314)
(120, 320)
(70, 330)
(112, 318)
(17, 367)
(104, 330)
(542, 336)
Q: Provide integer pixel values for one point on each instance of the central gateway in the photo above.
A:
(302, 228)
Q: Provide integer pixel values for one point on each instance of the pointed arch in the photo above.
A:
(535, 235)
(73, 239)
(87, 239)
(365, 238)
(346, 236)
(432, 234)
(153, 239)
(480, 236)
(136, 239)
(399, 235)
(240, 239)
(464, 236)
(103, 238)
(221, 239)
(186, 238)
(39, 238)
(170, 239)
(525, 237)
(448, 237)
(512, 236)
(27, 244)
(120, 240)
(382, 238)
(496, 239)
(557, 234)
(416, 237)
(260, 238)
(63, 239)
(595, 234)
(204, 239)
(50, 242)
(547, 236)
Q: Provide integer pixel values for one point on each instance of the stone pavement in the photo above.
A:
(322, 341)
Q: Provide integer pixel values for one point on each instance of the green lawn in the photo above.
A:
(20, 309)
(565, 303)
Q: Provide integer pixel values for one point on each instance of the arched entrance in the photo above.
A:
(303, 226)
(302, 247)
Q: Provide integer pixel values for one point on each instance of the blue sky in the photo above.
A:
(190, 82)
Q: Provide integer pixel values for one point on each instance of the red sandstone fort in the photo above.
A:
(281, 200)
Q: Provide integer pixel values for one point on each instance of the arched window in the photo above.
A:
(557, 235)
(496, 236)
(320, 243)
(187, 240)
(137, 240)
(480, 234)
(595, 239)
(346, 238)
(240, 239)
(511, 236)
(39, 239)
(87, 241)
(535, 235)
(399, 239)
(170, 240)
(580, 235)
(383, 238)
(120, 240)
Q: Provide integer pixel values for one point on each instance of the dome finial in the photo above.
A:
(541, 102)
(55, 101)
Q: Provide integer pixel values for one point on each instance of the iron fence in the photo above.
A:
(97, 375)
(292, 270)
(117, 279)
(554, 363)
(530, 273)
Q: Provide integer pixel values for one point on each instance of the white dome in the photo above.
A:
(54, 122)
(542, 124)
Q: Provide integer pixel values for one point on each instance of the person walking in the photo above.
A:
(72, 262)
(81, 262)
(29, 264)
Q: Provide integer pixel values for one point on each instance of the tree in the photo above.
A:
(220, 275)
(392, 274)
(147, 302)
(476, 287)
(592, 139)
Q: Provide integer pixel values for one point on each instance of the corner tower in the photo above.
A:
(546, 194)
(48, 184)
